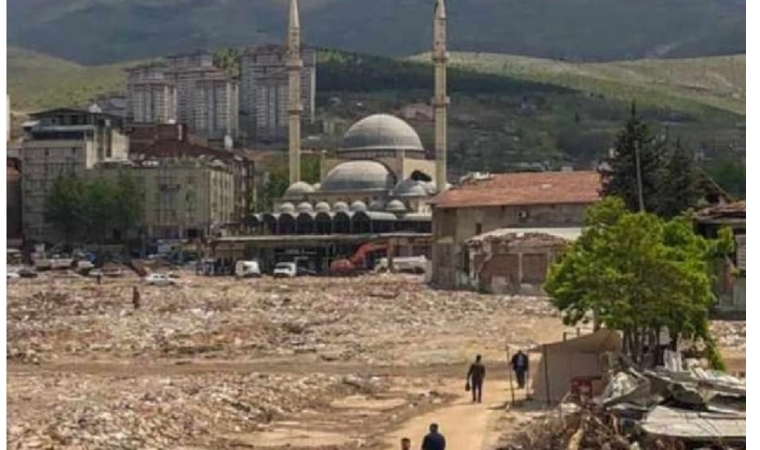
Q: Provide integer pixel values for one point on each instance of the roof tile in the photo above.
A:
(527, 188)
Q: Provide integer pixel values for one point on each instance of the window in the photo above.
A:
(478, 229)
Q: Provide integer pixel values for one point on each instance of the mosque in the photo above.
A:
(379, 184)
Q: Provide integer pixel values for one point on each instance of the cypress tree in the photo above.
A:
(619, 179)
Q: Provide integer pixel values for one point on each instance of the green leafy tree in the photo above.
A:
(640, 274)
(65, 207)
(90, 210)
(129, 204)
(228, 59)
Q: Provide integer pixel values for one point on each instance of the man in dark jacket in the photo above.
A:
(475, 377)
(434, 440)
(520, 367)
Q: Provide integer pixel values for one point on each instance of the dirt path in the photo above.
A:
(464, 424)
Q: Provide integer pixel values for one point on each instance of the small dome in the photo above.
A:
(322, 207)
(298, 188)
(430, 187)
(304, 207)
(376, 205)
(340, 207)
(381, 132)
(396, 206)
(316, 186)
(287, 208)
(358, 176)
(358, 206)
(410, 188)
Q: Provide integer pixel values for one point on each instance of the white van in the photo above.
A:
(247, 269)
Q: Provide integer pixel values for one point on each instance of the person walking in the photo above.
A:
(475, 377)
(520, 364)
(434, 440)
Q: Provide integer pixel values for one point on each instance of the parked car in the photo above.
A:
(285, 270)
(303, 271)
(247, 269)
(27, 272)
(159, 279)
(12, 276)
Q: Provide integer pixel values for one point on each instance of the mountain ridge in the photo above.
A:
(102, 31)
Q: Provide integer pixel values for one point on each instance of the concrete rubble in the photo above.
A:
(662, 409)
(159, 376)
(82, 411)
(335, 319)
(87, 370)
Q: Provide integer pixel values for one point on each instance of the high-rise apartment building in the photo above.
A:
(185, 89)
(215, 112)
(152, 95)
(264, 92)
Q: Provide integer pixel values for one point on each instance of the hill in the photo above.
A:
(37, 81)
(499, 119)
(100, 31)
(718, 82)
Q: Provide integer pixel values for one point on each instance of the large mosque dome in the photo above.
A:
(358, 176)
(381, 132)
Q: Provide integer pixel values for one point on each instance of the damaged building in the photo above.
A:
(731, 283)
(500, 232)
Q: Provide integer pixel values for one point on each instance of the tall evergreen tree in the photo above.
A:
(620, 178)
(680, 189)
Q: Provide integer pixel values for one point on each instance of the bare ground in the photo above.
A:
(303, 364)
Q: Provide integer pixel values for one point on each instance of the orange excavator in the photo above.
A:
(355, 263)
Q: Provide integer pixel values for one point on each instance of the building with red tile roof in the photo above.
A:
(484, 203)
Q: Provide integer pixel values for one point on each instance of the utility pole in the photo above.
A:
(638, 177)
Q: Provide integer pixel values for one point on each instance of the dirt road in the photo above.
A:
(465, 425)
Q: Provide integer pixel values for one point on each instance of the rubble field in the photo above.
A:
(215, 357)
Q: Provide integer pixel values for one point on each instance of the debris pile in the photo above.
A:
(669, 408)
(158, 412)
(368, 319)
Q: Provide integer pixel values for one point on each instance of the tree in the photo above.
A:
(129, 199)
(731, 174)
(640, 274)
(680, 189)
(669, 179)
(622, 178)
(90, 210)
(65, 206)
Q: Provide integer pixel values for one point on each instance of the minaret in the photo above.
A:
(294, 65)
(440, 100)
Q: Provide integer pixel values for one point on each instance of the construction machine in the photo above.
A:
(355, 263)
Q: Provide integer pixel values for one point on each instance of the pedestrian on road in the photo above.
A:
(475, 377)
(406, 444)
(520, 367)
(135, 298)
(434, 440)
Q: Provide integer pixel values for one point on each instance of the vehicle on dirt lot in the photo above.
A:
(356, 263)
(247, 269)
(159, 279)
(285, 270)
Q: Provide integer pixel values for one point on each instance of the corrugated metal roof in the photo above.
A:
(569, 234)
(530, 188)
